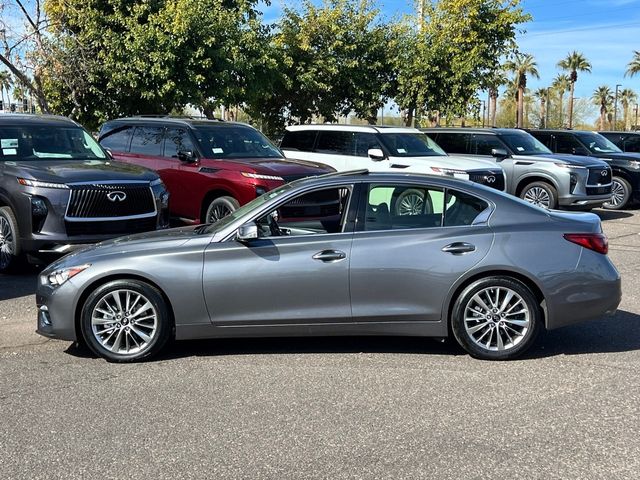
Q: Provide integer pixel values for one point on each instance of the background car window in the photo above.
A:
(335, 143)
(317, 212)
(411, 145)
(147, 141)
(483, 144)
(453, 142)
(567, 144)
(403, 207)
(596, 143)
(177, 140)
(301, 140)
(234, 141)
(524, 144)
(363, 142)
(632, 144)
(34, 142)
(462, 208)
(545, 138)
(118, 140)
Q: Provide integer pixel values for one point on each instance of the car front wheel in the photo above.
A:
(541, 194)
(125, 321)
(219, 208)
(620, 194)
(9, 245)
(496, 318)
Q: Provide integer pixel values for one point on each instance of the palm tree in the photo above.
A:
(5, 84)
(561, 84)
(496, 80)
(574, 62)
(634, 65)
(603, 97)
(542, 94)
(522, 64)
(627, 98)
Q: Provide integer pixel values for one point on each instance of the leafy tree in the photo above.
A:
(627, 98)
(561, 84)
(521, 65)
(450, 50)
(603, 97)
(573, 63)
(5, 85)
(634, 65)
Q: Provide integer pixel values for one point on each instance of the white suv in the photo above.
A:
(351, 147)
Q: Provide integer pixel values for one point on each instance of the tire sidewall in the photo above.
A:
(8, 215)
(458, 327)
(230, 202)
(551, 191)
(627, 195)
(156, 299)
(397, 198)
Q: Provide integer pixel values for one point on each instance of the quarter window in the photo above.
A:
(147, 141)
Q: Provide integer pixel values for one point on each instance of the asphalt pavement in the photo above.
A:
(327, 408)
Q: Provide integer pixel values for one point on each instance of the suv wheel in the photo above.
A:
(620, 194)
(496, 318)
(125, 321)
(411, 202)
(541, 194)
(9, 246)
(219, 208)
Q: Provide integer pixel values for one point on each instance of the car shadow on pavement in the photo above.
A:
(612, 214)
(19, 284)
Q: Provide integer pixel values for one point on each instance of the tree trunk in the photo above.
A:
(520, 108)
(603, 118)
(493, 107)
(561, 116)
(625, 113)
(543, 112)
(408, 121)
(571, 104)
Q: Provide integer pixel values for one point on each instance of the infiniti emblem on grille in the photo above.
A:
(117, 196)
(604, 173)
(491, 179)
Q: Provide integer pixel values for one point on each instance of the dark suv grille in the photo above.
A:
(111, 227)
(488, 178)
(597, 181)
(110, 201)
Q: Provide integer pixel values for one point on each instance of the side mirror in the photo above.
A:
(187, 156)
(499, 153)
(247, 232)
(109, 153)
(376, 154)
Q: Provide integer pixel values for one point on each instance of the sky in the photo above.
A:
(605, 31)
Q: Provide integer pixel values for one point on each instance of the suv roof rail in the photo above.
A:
(178, 117)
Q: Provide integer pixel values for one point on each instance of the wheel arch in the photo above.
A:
(537, 177)
(464, 282)
(109, 278)
(211, 195)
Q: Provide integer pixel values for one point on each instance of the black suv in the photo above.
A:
(60, 190)
(625, 141)
(625, 166)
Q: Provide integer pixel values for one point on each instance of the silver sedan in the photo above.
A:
(343, 254)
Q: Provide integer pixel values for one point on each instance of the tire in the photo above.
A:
(540, 193)
(411, 202)
(476, 332)
(129, 338)
(620, 194)
(219, 208)
(10, 251)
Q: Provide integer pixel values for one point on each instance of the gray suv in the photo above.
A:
(533, 172)
(60, 190)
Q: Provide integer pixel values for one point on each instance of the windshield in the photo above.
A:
(243, 210)
(597, 143)
(411, 145)
(39, 142)
(234, 141)
(524, 144)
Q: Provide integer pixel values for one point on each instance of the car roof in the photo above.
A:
(488, 131)
(353, 128)
(558, 130)
(33, 119)
(618, 132)
(169, 120)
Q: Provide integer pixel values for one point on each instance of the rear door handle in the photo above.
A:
(330, 256)
(458, 248)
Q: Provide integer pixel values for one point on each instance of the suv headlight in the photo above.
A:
(156, 182)
(568, 165)
(261, 177)
(58, 277)
(448, 171)
(634, 164)
(37, 183)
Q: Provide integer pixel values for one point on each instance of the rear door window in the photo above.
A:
(483, 144)
(147, 141)
(117, 140)
(567, 144)
(632, 144)
(462, 209)
(402, 207)
(340, 143)
(453, 142)
(302, 141)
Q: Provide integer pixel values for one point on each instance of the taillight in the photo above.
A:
(597, 242)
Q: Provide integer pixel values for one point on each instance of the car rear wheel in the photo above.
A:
(496, 318)
(541, 194)
(620, 194)
(125, 321)
(9, 244)
(219, 208)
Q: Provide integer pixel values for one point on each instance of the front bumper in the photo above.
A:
(56, 311)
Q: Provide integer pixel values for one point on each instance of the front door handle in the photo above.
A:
(459, 248)
(330, 256)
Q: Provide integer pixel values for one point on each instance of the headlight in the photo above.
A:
(261, 177)
(156, 182)
(568, 165)
(36, 183)
(634, 164)
(448, 171)
(164, 199)
(58, 277)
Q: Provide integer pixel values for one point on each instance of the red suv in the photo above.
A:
(210, 167)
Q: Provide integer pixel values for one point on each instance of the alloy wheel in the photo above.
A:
(411, 204)
(538, 196)
(618, 194)
(124, 322)
(497, 318)
(217, 212)
(6, 243)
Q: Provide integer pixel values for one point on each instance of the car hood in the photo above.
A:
(634, 157)
(282, 166)
(456, 162)
(70, 171)
(561, 158)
